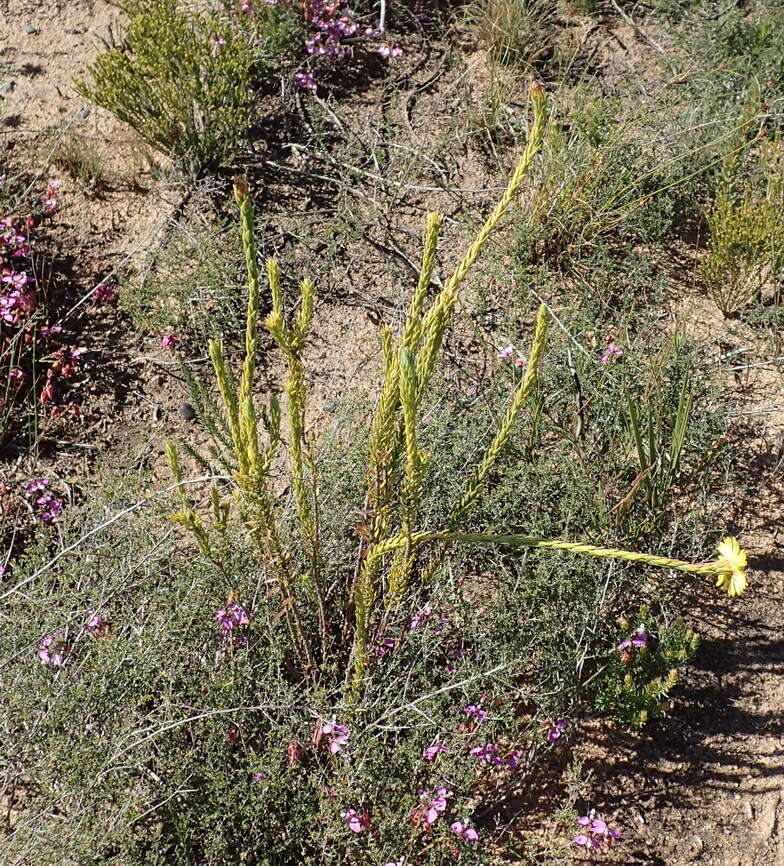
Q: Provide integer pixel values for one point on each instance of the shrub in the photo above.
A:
(642, 670)
(184, 79)
(746, 235)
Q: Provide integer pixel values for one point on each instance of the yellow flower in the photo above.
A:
(732, 561)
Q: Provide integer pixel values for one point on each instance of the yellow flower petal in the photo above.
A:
(732, 553)
(732, 560)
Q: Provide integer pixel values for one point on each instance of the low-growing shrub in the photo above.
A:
(184, 78)
(746, 233)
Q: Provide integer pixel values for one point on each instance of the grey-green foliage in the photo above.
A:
(144, 746)
(194, 284)
(183, 78)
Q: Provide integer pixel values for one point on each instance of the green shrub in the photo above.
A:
(643, 669)
(184, 78)
(746, 233)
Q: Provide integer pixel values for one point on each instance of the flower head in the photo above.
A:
(357, 822)
(475, 711)
(595, 832)
(53, 649)
(459, 828)
(169, 341)
(336, 736)
(98, 627)
(732, 561)
(554, 730)
(611, 352)
(305, 80)
(432, 752)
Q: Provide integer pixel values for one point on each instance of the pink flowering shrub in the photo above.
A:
(36, 362)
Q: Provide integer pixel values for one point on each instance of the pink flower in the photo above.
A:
(305, 80)
(356, 822)
(595, 832)
(459, 828)
(509, 351)
(337, 736)
(98, 627)
(259, 777)
(475, 711)
(611, 352)
(488, 752)
(385, 647)
(638, 640)
(390, 52)
(169, 341)
(435, 805)
(432, 752)
(105, 294)
(555, 729)
(52, 650)
(421, 616)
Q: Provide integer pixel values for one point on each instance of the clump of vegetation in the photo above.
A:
(516, 32)
(746, 233)
(192, 285)
(339, 674)
(643, 670)
(184, 79)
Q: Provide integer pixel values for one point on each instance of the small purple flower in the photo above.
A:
(52, 650)
(488, 752)
(459, 828)
(231, 617)
(305, 80)
(337, 736)
(638, 640)
(357, 822)
(513, 761)
(611, 353)
(436, 805)
(432, 752)
(98, 626)
(595, 832)
(475, 712)
(555, 729)
(259, 777)
(421, 616)
(105, 294)
(385, 647)
(169, 341)
(36, 485)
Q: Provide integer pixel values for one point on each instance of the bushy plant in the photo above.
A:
(516, 32)
(337, 676)
(184, 78)
(746, 234)
(643, 668)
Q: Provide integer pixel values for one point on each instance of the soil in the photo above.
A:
(705, 785)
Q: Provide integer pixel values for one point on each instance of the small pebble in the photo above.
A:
(30, 30)
(330, 406)
(8, 86)
(187, 411)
